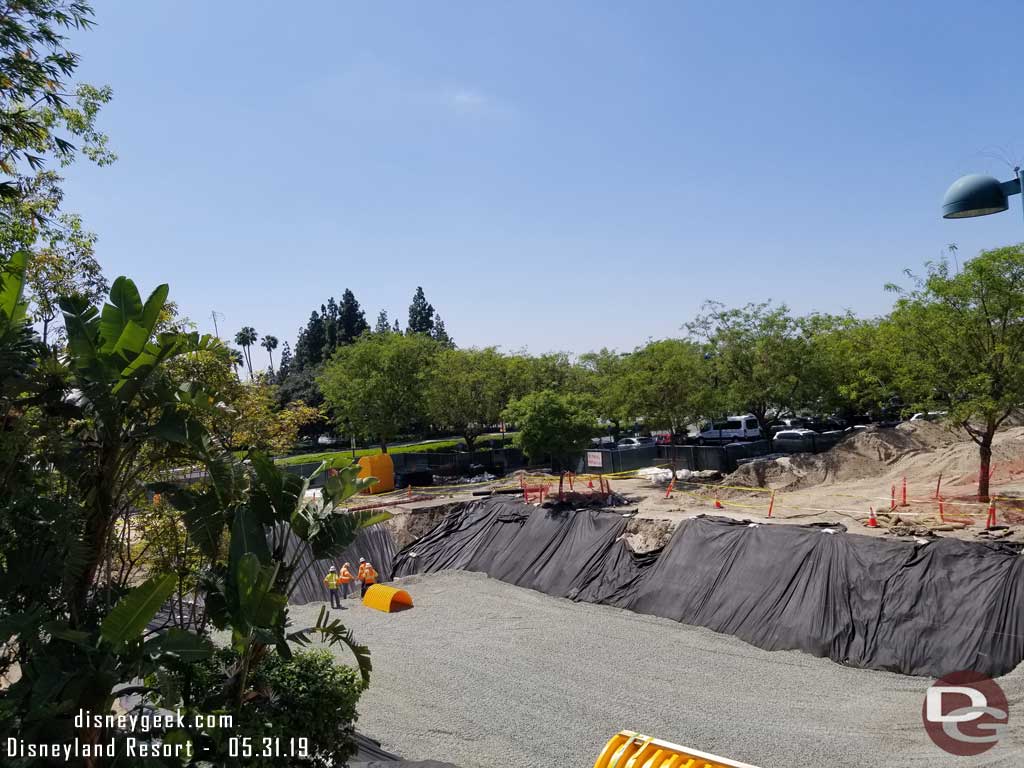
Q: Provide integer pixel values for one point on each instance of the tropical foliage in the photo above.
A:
(92, 437)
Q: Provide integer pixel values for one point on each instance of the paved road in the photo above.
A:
(488, 675)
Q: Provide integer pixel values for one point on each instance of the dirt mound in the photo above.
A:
(862, 454)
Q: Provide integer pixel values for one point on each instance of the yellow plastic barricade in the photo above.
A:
(387, 599)
(627, 749)
(380, 466)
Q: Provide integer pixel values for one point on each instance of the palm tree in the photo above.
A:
(237, 359)
(269, 343)
(245, 338)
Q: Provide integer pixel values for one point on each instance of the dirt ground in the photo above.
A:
(838, 486)
(842, 485)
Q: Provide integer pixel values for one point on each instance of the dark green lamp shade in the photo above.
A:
(973, 195)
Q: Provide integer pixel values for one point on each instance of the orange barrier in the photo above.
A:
(380, 466)
(386, 599)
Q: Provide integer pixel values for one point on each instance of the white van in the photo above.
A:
(729, 430)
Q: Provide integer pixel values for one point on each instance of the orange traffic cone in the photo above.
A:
(718, 504)
(872, 520)
(590, 484)
(991, 519)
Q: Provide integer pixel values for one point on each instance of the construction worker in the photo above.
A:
(345, 579)
(360, 574)
(331, 582)
(369, 576)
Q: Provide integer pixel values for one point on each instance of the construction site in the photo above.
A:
(793, 612)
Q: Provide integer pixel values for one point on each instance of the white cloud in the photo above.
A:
(467, 99)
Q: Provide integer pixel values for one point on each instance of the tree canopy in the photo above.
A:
(552, 425)
(376, 386)
(959, 344)
(421, 314)
(467, 390)
(757, 355)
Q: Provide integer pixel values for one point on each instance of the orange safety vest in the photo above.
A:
(369, 575)
(346, 575)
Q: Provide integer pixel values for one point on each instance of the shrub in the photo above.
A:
(309, 695)
(315, 697)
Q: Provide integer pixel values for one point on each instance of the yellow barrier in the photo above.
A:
(627, 749)
(387, 599)
(380, 466)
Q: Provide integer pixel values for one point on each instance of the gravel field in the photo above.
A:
(487, 675)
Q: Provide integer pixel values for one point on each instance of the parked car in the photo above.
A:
(731, 429)
(635, 442)
(795, 434)
(796, 422)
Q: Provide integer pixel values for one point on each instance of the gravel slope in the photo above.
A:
(488, 675)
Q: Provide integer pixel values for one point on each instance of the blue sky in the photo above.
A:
(555, 175)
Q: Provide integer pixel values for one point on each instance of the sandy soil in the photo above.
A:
(842, 484)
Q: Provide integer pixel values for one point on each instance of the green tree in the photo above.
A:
(376, 386)
(669, 383)
(246, 338)
(351, 319)
(758, 355)
(850, 367)
(466, 391)
(440, 333)
(961, 344)
(329, 318)
(114, 360)
(383, 324)
(62, 250)
(237, 359)
(309, 347)
(301, 384)
(286, 362)
(602, 378)
(36, 121)
(553, 425)
(40, 116)
(256, 421)
(421, 314)
(269, 343)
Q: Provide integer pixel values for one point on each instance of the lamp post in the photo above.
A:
(978, 195)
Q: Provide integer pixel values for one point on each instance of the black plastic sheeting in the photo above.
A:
(916, 608)
(374, 543)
